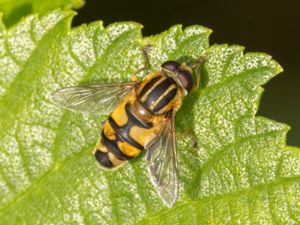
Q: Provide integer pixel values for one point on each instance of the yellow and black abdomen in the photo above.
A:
(117, 145)
(137, 118)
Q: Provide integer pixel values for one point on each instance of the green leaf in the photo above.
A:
(14, 10)
(240, 172)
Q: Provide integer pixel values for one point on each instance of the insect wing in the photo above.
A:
(161, 161)
(100, 98)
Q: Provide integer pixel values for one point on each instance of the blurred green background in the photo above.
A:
(266, 26)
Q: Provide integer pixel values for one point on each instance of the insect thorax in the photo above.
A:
(159, 93)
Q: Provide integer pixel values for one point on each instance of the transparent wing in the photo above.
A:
(93, 98)
(161, 161)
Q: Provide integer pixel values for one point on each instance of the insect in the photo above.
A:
(141, 118)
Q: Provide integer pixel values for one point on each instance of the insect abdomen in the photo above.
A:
(123, 135)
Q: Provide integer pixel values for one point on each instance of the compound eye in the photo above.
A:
(186, 79)
(171, 66)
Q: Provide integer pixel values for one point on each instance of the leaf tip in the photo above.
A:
(79, 4)
(279, 68)
(198, 29)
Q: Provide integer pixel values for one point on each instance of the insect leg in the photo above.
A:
(194, 139)
(146, 49)
(190, 135)
(198, 64)
(103, 122)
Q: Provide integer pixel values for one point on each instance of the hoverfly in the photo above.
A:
(141, 118)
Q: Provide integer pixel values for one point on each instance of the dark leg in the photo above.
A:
(190, 134)
(146, 49)
(196, 67)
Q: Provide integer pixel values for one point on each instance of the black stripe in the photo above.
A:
(158, 91)
(165, 100)
(103, 159)
(148, 86)
(122, 133)
(133, 120)
(113, 147)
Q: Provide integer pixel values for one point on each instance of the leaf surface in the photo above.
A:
(240, 172)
